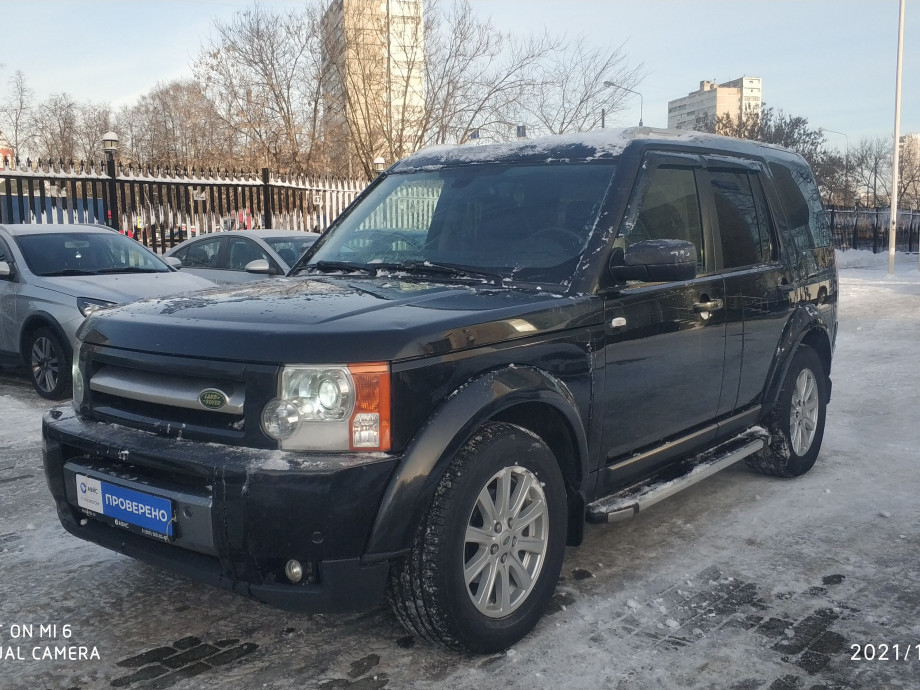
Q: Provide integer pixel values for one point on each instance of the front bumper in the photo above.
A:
(239, 513)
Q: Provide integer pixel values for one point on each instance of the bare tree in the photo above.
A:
(871, 169)
(175, 125)
(262, 71)
(476, 77)
(16, 115)
(55, 122)
(909, 174)
(93, 120)
(569, 92)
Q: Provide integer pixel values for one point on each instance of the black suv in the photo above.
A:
(491, 346)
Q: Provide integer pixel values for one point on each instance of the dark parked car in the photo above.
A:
(239, 256)
(493, 345)
(52, 276)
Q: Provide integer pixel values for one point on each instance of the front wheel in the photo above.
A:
(48, 358)
(487, 556)
(796, 424)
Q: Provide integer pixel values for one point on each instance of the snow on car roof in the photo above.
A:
(585, 146)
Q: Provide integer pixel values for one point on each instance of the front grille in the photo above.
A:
(164, 395)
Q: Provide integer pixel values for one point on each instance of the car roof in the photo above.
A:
(51, 228)
(604, 144)
(262, 234)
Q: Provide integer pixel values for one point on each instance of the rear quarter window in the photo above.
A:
(802, 202)
(807, 228)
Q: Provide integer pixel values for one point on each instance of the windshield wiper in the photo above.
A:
(347, 266)
(429, 268)
(129, 269)
(441, 269)
(68, 272)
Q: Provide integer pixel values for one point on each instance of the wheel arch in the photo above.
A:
(32, 324)
(806, 327)
(522, 395)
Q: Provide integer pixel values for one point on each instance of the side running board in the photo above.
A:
(627, 502)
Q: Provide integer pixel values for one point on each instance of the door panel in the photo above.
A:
(663, 364)
(9, 288)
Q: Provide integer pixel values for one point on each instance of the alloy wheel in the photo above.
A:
(46, 364)
(505, 541)
(803, 413)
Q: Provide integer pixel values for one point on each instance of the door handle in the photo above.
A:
(712, 305)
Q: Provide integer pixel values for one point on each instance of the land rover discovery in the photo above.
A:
(493, 345)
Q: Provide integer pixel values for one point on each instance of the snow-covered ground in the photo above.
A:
(743, 581)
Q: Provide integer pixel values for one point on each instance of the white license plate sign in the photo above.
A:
(147, 514)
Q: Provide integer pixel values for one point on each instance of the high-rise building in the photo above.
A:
(737, 97)
(910, 146)
(374, 54)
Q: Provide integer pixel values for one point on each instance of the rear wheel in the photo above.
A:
(487, 556)
(796, 424)
(49, 364)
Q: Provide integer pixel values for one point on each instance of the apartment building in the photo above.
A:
(374, 58)
(910, 146)
(743, 95)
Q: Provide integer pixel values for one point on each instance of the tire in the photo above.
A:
(429, 591)
(796, 424)
(48, 359)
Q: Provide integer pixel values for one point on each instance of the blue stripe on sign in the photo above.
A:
(152, 512)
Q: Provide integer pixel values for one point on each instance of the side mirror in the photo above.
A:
(258, 266)
(654, 261)
(173, 261)
(5, 270)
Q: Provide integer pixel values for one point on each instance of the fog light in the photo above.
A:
(280, 419)
(293, 570)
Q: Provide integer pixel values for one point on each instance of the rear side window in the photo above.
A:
(741, 213)
(802, 202)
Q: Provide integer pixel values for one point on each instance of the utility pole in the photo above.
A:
(893, 226)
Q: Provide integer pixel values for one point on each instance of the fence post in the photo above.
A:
(855, 244)
(267, 198)
(875, 233)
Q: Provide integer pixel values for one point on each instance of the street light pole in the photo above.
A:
(110, 147)
(641, 102)
(893, 225)
(846, 166)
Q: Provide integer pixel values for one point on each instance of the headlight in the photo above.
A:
(332, 407)
(87, 306)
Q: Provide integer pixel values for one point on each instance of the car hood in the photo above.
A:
(124, 287)
(334, 320)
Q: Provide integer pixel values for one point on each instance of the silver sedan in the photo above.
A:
(238, 256)
(53, 276)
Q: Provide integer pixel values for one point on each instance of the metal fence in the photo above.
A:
(160, 207)
(868, 228)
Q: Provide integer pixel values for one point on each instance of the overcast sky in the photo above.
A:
(832, 62)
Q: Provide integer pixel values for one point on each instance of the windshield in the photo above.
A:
(86, 253)
(526, 223)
